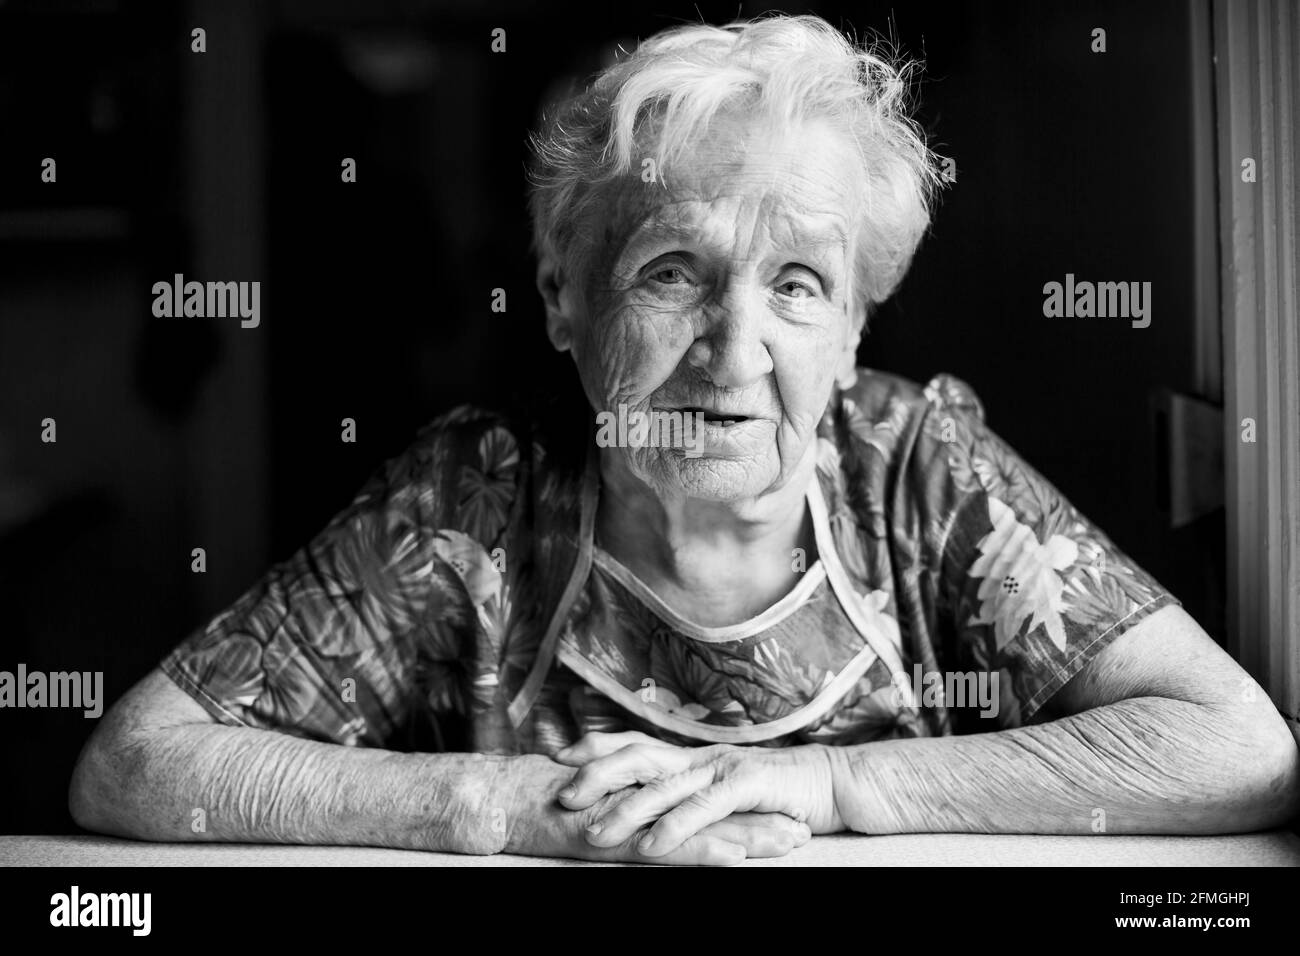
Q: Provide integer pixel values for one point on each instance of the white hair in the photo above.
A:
(658, 100)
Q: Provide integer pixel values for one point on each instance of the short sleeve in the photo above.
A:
(1031, 590)
(326, 645)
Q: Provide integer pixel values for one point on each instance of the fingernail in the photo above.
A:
(595, 828)
(568, 793)
(646, 843)
(564, 753)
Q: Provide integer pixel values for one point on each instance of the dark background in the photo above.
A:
(183, 433)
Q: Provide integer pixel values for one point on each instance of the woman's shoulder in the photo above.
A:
(889, 424)
(879, 396)
(460, 472)
(464, 424)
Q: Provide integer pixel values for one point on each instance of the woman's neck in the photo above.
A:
(715, 563)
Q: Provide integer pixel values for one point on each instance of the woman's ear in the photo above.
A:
(557, 296)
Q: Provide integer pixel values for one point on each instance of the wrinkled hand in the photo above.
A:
(686, 790)
(539, 826)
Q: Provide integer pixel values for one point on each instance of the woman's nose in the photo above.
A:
(733, 350)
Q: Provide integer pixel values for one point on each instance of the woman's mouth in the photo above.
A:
(725, 419)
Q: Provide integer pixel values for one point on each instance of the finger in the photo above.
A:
(593, 746)
(759, 840)
(700, 850)
(798, 829)
(704, 807)
(642, 807)
(705, 849)
(635, 764)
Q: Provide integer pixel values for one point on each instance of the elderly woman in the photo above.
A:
(829, 600)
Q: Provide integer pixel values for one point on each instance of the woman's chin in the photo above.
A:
(717, 478)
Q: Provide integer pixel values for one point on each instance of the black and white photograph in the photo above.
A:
(678, 434)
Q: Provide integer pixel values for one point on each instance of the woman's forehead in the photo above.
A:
(755, 159)
(799, 188)
(736, 215)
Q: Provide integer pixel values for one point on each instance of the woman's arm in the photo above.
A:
(158, 758)
(1162, 733)
(159, 768)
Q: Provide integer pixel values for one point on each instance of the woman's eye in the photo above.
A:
(798, 282)
(669, 275)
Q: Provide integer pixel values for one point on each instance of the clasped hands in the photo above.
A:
(638, 799)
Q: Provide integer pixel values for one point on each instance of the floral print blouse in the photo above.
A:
(461, 602)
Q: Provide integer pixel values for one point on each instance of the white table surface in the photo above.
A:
(1274, 848)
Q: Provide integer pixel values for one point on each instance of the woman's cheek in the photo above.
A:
(635, 349)
(805, 365)
(804, 379)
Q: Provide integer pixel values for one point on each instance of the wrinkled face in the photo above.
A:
(725, 291)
